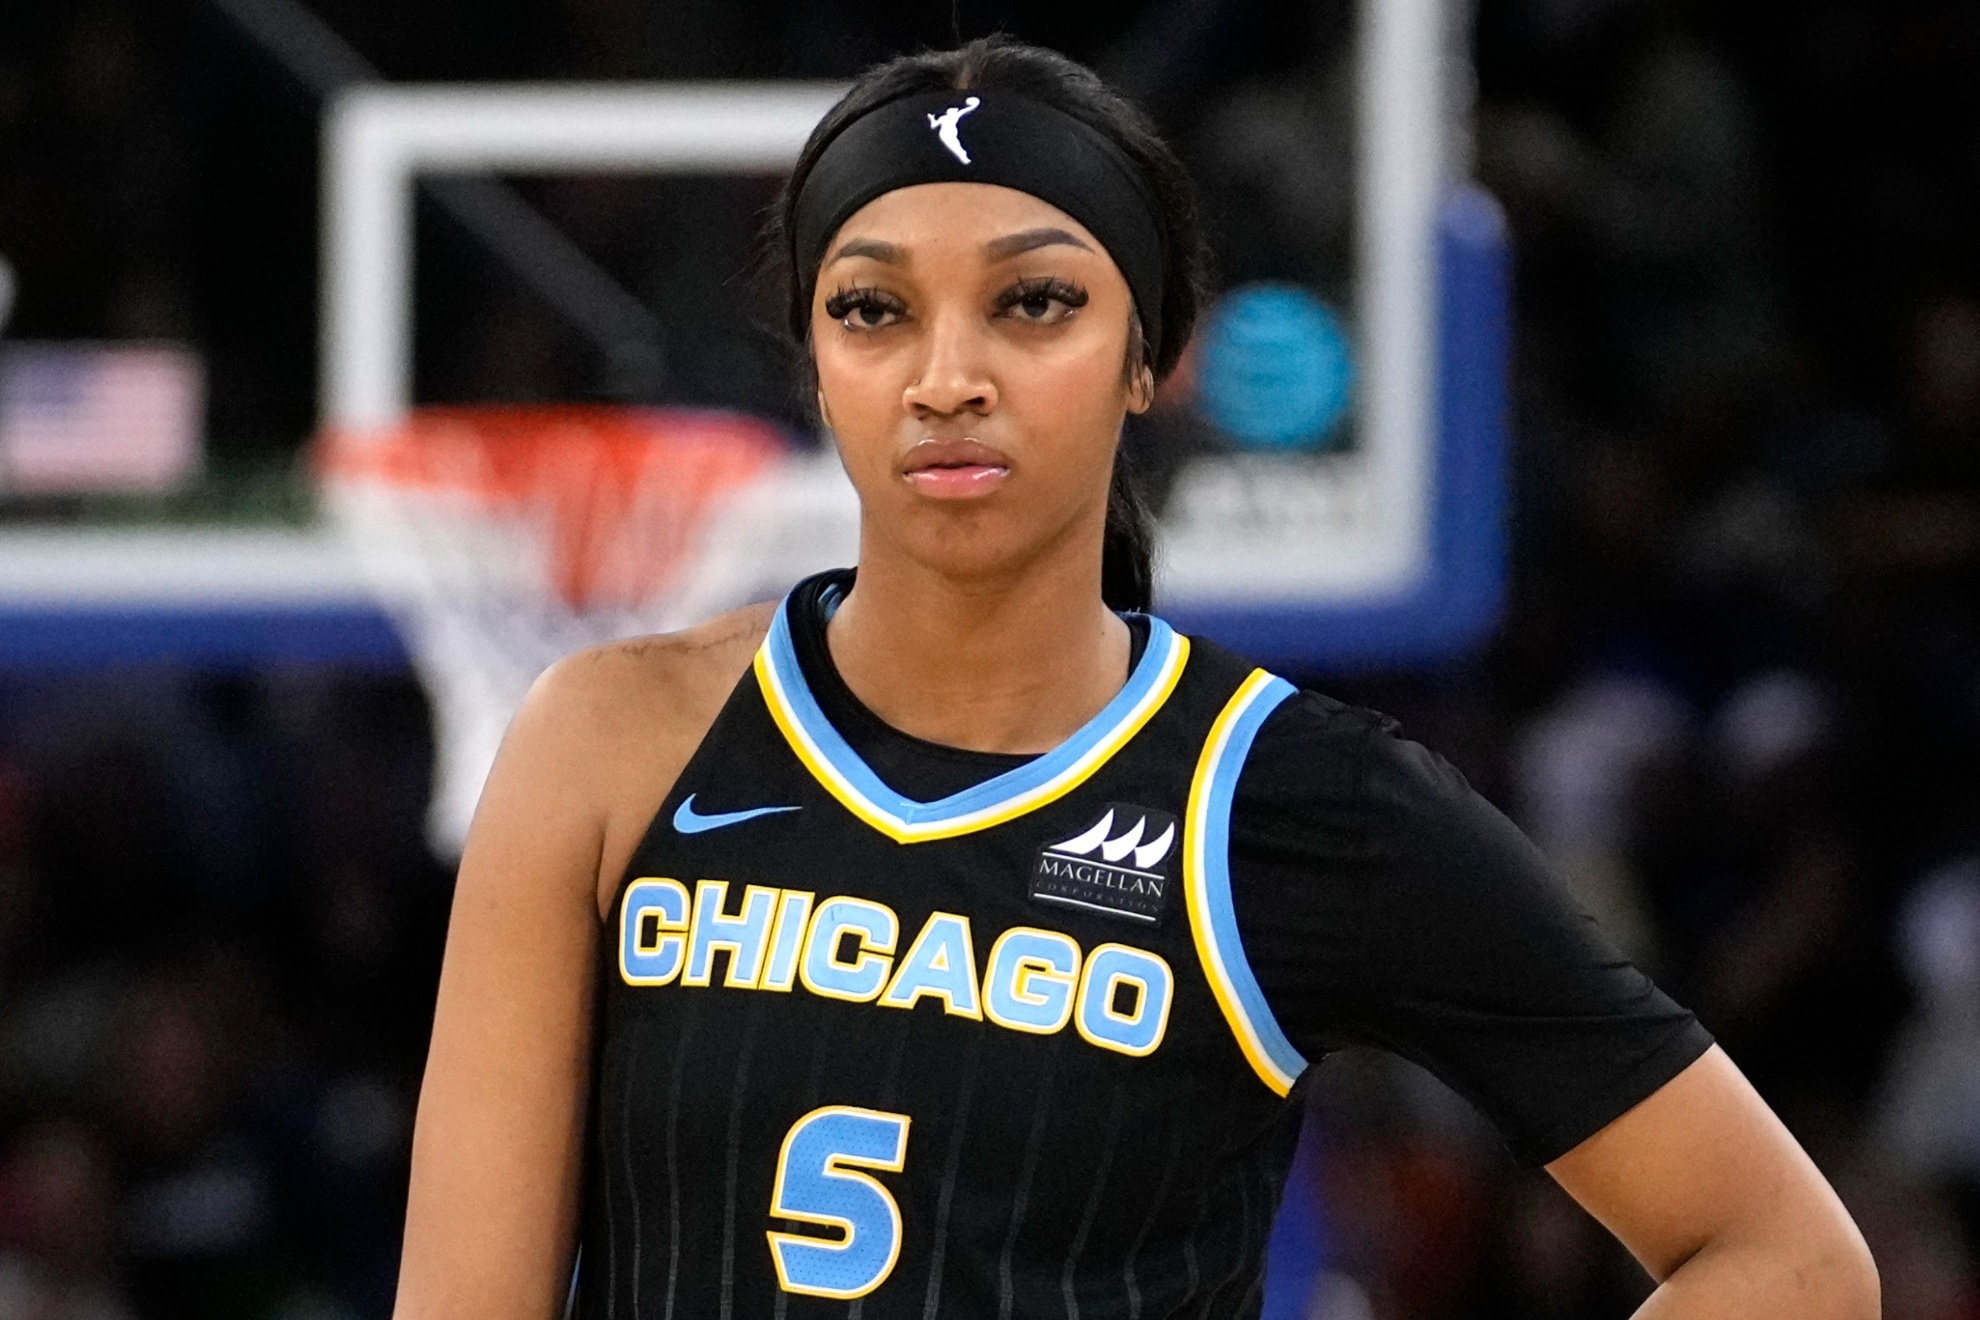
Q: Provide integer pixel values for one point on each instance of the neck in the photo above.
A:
(1017, 663)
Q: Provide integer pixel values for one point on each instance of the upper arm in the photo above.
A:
(497, 1150)
(1703, 1165)
(493, 1201)
(1382, 901)
(1389, 903)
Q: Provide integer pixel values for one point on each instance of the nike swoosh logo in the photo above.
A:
(689, 821)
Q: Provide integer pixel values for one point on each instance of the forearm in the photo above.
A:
(492, 1208)
(489, 1236)
(1770, 1281)
(1713, 1195)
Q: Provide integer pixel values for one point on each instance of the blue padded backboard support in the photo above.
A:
(1453, 606)
(214, 637)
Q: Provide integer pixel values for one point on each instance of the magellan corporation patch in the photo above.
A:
(1119, 865)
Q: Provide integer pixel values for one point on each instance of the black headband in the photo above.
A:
(987, 137)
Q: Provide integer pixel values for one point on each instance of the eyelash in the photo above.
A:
(843, 302)
(1054, 290)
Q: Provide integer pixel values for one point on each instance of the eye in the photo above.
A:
(1040, 301)
(864, 309)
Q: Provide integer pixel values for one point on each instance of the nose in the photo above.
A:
(954, 376)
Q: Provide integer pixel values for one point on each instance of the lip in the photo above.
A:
(955, 469)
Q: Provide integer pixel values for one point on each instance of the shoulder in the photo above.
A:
(672, 680)
(1308, 724)
(1310, 750)
(1297, 716)
(617, 723)
(1349, 774)
(1335, 795)
(1275, 746)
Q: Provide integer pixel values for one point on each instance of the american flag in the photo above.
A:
(99, 417)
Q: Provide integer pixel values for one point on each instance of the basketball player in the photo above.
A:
(952, 938)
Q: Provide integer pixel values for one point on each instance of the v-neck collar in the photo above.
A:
(1045, 778)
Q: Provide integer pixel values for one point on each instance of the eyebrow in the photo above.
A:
(869, 247)
(1011, 245)
(997, 249)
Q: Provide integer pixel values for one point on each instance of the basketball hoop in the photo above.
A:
(501, 538)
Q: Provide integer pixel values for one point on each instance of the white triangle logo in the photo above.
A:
(1114, 847)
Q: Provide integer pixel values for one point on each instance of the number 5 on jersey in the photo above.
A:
(818, 1182)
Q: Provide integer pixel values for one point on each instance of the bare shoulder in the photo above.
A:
(678, 678)
(622, 719)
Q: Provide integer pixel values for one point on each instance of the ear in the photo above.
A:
(1141, 389)
(824, 413)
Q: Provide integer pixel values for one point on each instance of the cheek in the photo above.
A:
(1085, 382)
(860, 395)
(1073, 399)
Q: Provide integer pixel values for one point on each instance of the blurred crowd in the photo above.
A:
(1736, 695)
(219, 935)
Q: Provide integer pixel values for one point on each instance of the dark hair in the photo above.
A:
(1127, 562)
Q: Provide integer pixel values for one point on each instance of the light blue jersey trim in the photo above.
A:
(1149, 673)
(1281, 1064)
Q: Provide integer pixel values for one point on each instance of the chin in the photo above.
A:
(981, 549)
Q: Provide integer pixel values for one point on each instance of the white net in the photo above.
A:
(503, 539)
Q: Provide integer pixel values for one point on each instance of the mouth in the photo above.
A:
(955, 469)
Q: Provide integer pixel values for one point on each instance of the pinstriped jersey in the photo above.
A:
(993, 1055)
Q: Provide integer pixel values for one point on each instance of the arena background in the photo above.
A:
(1733, 687)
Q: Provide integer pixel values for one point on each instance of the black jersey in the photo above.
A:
(995, 1053)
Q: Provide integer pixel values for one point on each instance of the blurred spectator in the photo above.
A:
(17, 887)
(57, 1213)
(244, 1134)
(1926, 1126)
(6, 293)
(199, 1217)
(1579, 766)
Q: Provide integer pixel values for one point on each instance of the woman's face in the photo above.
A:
(971, 344)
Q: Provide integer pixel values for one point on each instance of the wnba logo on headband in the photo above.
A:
(944, 125)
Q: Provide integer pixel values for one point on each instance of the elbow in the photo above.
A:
(1808, 1269)
(1841, 1275)
(1865, 1289)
